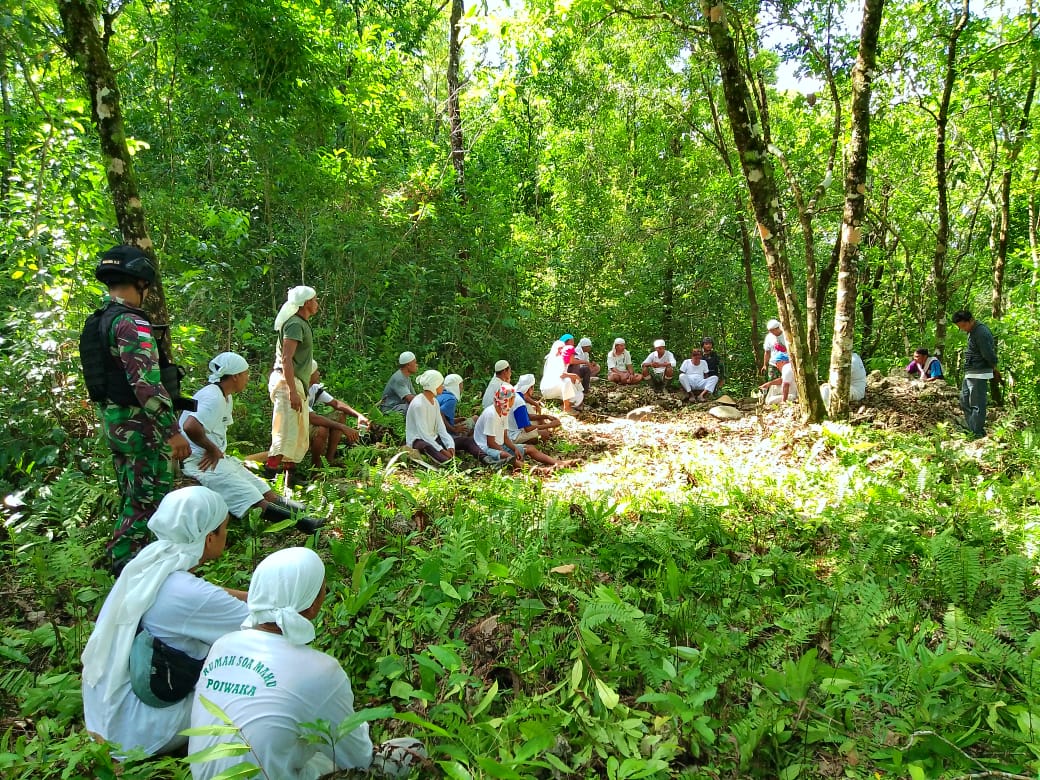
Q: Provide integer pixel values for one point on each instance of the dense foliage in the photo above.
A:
(869, 608)
(866, 607)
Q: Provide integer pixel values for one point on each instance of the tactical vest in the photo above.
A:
(103, 372)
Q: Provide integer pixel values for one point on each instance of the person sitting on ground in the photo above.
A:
(924, 366)
(783, 388)
(711, 357)
(693, 376)
(519, 423)
(857, 382)
(326, 431)
(211, 466)
(619, 365)
(159, 614)
(399, 392)
(269, 683)
(425, 430)
(582, 363)
(659, 365)
(544, 424)
(448, 400)
(503, 375)
(492, 434)
(774, 344)
(557, 381)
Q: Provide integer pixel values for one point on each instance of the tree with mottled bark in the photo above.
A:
(88, 49)
(756, 164)
(458, 153)
(855, 209)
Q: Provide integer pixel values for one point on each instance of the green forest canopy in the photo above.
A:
(583, 176)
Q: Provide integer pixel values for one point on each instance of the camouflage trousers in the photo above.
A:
(143, 473)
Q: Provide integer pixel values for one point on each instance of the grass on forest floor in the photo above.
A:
(699, 598)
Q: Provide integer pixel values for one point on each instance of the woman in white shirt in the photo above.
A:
(159, 616)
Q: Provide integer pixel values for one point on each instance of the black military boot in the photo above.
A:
(284, 509)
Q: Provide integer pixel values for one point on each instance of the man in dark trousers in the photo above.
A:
(980, 366)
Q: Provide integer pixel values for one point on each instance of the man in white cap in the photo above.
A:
(269, 683)
(211, 466)
(399, 392)
(503, 374)
(774, 344)
(582, 363)
(619, 365)
(659, 365)
(290, 428)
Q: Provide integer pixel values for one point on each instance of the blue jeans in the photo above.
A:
(973, 404)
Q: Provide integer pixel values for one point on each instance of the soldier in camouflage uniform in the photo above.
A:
(143, 432)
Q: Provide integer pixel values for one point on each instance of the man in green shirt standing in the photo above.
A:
(290, 429)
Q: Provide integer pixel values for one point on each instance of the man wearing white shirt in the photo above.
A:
(503, 375)
(659, 365)
(693, 376)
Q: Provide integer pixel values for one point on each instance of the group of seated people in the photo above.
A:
(700, 374)
(167, 644)
(783, 388)
(510, 419)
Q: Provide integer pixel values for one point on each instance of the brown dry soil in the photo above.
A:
(671, 432)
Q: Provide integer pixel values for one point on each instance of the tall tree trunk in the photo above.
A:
(81, 21)
(740, 211)
(1017, 141)
(1034, 238)
(458, 154)
(758, 173)
(5, 94)
(855, 208)
(942, 233)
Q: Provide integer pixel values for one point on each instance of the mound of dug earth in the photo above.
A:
(892, 402)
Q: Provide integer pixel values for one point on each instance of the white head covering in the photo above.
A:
(431, 380)
(773, 324)
(501, 365)
(524, 383)
(284, 584)
(293, 301)
(181, 523)
(585, 342)
(618, 340)
(226, 364)
(312, 367)
(405, 357)
(453, 384)
(658, 343)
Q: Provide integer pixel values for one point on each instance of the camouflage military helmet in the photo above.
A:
(124, 261)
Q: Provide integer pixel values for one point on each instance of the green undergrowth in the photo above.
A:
(836, 605)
